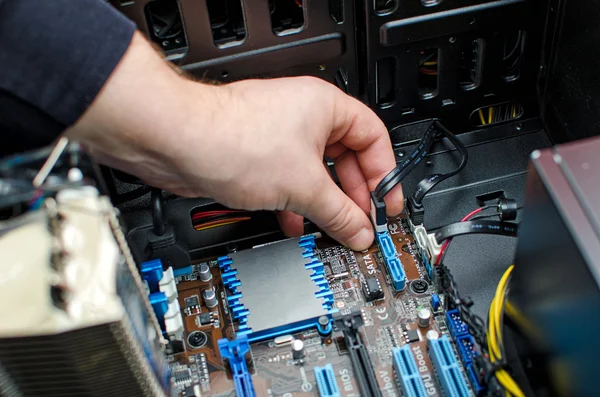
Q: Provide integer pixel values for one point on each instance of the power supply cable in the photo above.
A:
(494, 337)
(447, 242)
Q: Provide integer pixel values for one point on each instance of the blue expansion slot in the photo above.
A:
(456, 325)
(235, 351)
(466, 348)
(478, 389)
(390, 257)
(408, 373)
(326, 381)
(448, 368)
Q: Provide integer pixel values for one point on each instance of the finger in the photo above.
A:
(338, 216)
(291, 224)
(359, 129)
(352, 179)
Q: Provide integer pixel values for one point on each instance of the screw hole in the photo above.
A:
(472, 21)
(224, 73)
(452, 39)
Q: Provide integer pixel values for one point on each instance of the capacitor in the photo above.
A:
(432, 335)
(210, 298)
(297, 349)
(204, 272)
(424, 317)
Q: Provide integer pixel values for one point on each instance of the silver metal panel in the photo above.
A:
(276, 286)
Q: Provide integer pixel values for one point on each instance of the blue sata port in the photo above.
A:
(407, 372)
(447, 368)
(466, 348)
(326, 381)
(390, 257)
(456, 325)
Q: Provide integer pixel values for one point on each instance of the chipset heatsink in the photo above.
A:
(277, 288)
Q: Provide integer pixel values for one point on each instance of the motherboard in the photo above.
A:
(308, 317)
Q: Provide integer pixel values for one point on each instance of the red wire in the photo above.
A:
(466, 218)
(206, 214)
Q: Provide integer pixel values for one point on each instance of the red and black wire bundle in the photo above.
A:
(205, 220)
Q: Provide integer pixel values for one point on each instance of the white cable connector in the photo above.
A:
(427, 243)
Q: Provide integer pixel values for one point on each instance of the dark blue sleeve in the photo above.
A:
(55, 56)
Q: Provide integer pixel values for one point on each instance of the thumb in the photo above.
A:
(338, 216)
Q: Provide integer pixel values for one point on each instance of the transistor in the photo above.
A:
(412, 336)
(205, 318)
(192, 305)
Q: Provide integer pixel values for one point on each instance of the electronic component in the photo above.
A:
(435, 302)
(359, 356)
(205, 318)
(325, 377)
(234, 351)
(210, 298)
(297, 349)
(412, 335)
(181, 376)
(447, 368)
(192, 305)
(152, 273)
(204, 272)
(407, 372)
(428, 246)
(466, 348)
(474, 379)
(424, 317)
(456, 325)
(324, 326)
(167, 284)
(83, 315)
(283, 340)
(391, 260)
(432, 334)
(378, 215)
(372, 289)
(283, 287)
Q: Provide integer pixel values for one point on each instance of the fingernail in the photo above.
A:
(361, 240)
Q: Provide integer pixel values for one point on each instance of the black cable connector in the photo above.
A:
(378, 215)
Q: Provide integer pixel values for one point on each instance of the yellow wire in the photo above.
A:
(481, 117)
(218, 225)
(514, 111)
(490, 113)
(495, 336)
(430, 63)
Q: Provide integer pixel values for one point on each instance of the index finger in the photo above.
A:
(358, 128)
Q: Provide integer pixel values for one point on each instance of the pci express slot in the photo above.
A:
(326, 382)
(359, 357)
(447, 368)
(391, 260)
(407, 372)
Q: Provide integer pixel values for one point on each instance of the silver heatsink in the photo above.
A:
(75, 318)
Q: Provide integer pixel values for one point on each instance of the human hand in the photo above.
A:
(255, 144)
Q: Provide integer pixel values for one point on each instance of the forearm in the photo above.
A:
(146, 115)
(56, 56)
